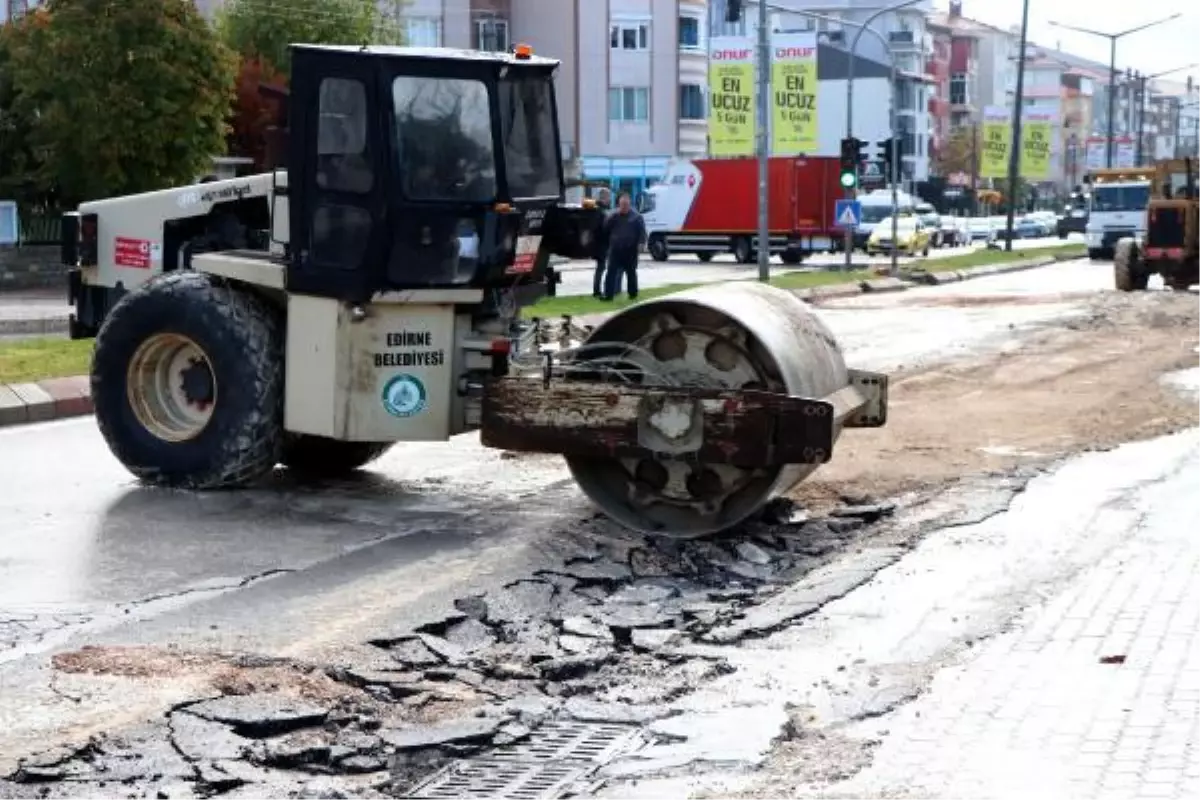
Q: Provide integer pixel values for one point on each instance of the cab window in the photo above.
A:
(444, 139)
(343, 163)
(531, 159)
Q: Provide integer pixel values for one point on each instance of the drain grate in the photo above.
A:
(496, 778)
(555, 757)
(569, 742)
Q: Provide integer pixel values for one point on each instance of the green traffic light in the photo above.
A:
(848, 180)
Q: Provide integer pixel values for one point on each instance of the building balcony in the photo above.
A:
(910, 42)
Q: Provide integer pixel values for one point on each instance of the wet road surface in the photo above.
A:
(312, 572)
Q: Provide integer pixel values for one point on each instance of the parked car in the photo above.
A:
(981, 229)
(1073, 220)
(912, 237)
(954, 232)
(932, 221)
(1030, 227)
(1048, 221)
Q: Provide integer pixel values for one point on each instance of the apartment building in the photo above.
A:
(1182, 114)
(13, 9)
(632, 88)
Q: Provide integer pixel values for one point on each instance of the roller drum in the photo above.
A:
(734, 336)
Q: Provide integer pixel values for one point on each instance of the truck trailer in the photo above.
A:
(710, 206)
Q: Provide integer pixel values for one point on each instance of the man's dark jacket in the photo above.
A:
(625, 234)
(601, 240)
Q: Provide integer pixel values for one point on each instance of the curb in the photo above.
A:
(940, 278)
(53, 398)
(44, 326)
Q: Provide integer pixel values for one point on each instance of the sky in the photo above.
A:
(1154, 50)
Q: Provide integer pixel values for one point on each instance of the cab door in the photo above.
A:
(338, 206)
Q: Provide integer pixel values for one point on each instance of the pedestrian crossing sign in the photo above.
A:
(847, 213)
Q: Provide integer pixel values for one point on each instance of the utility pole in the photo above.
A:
(1140, 83)
(764, 145)
(974, 169)
(1112, 69)
(1014, 149)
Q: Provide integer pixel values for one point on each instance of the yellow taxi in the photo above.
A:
(912, 237)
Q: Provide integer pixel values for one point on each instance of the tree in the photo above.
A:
(122, 97)
(264, 29)
(253, 113)
(17, 159)
(957, 153)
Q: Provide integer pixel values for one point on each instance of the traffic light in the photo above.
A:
(852, 158)
(733, 10)
(885, 154)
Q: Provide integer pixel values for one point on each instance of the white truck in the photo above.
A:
(1118, 206)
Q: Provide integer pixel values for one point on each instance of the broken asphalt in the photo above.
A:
(285, 643)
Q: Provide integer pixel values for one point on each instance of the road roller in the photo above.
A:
(378, 286)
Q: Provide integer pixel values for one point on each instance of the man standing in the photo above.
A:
(625, 231)
(604, 203)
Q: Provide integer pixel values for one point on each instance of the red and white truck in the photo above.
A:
(710, 206)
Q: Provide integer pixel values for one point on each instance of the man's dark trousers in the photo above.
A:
(621, 265)
(598, 279)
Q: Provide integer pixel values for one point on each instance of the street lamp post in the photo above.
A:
(1142, 82)
(1112, 66)
(1014, 147)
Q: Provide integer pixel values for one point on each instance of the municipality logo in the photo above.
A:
(404, 396)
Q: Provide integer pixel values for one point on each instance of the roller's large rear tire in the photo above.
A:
(187, 383)
(318, 457)
(1128, 274)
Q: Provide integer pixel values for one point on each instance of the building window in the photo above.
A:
(959, 95)
(689, 32)
(628, 104)
(691, 101)
(423, 32)
(491, 34)
(630, 36)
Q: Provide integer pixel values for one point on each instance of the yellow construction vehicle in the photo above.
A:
(1169, 246)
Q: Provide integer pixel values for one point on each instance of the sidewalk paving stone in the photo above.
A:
(1095, 695)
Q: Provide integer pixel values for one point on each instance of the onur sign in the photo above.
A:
(793, 95)
(1036, 145)
(731, 97)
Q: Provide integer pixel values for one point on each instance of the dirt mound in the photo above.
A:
(1092, 385)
